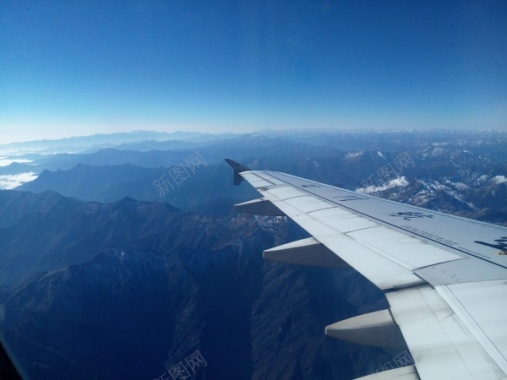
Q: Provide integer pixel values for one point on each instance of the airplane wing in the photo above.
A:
(445, 277)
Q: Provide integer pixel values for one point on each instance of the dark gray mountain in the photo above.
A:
(207, 191)
(120, 291)
(98, 183)
(442, 177)
(212, 151)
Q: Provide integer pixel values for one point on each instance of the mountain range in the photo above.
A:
(102, 276)
(461, 177)
(118, 290)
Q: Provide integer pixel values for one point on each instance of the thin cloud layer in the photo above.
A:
(8, 182)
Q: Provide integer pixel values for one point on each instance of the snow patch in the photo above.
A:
(397, 182)
(481, 179)
(352, 155)
(499, 179)
(460, 186)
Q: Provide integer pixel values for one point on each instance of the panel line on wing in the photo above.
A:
(448, 294)
(441, 344)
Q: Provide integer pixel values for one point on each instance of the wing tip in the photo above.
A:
(238, 168)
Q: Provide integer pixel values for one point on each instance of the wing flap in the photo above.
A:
(441, 345)
(384, 273)
(407, 251)
(308, 204)
(260, 207)
(347, 223)
(308, 252)
(461, 271)
(284, 193)
(482, 307)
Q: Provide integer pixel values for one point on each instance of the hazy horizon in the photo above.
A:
(87, 68)
(238, 133)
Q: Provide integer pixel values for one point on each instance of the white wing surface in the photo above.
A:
(445, 277)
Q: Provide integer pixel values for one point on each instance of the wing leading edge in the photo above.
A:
(444, 277)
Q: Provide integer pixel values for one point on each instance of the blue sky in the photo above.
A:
(83, 67)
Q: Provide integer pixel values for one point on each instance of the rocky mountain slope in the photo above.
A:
(121, 291)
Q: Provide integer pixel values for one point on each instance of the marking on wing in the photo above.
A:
(349, 198)
(311, 185)
(411, 215)
(501, 244)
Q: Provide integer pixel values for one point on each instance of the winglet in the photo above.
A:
(238, 168)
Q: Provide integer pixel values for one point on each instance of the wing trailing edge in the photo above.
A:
(307, 252)
(259, 206)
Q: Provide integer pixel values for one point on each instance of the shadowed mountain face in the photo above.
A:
(208, 191)
(59, 231)
(120, 291)
(445, 178)
(131, 289)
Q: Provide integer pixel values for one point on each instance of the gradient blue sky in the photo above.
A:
(83, 67)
